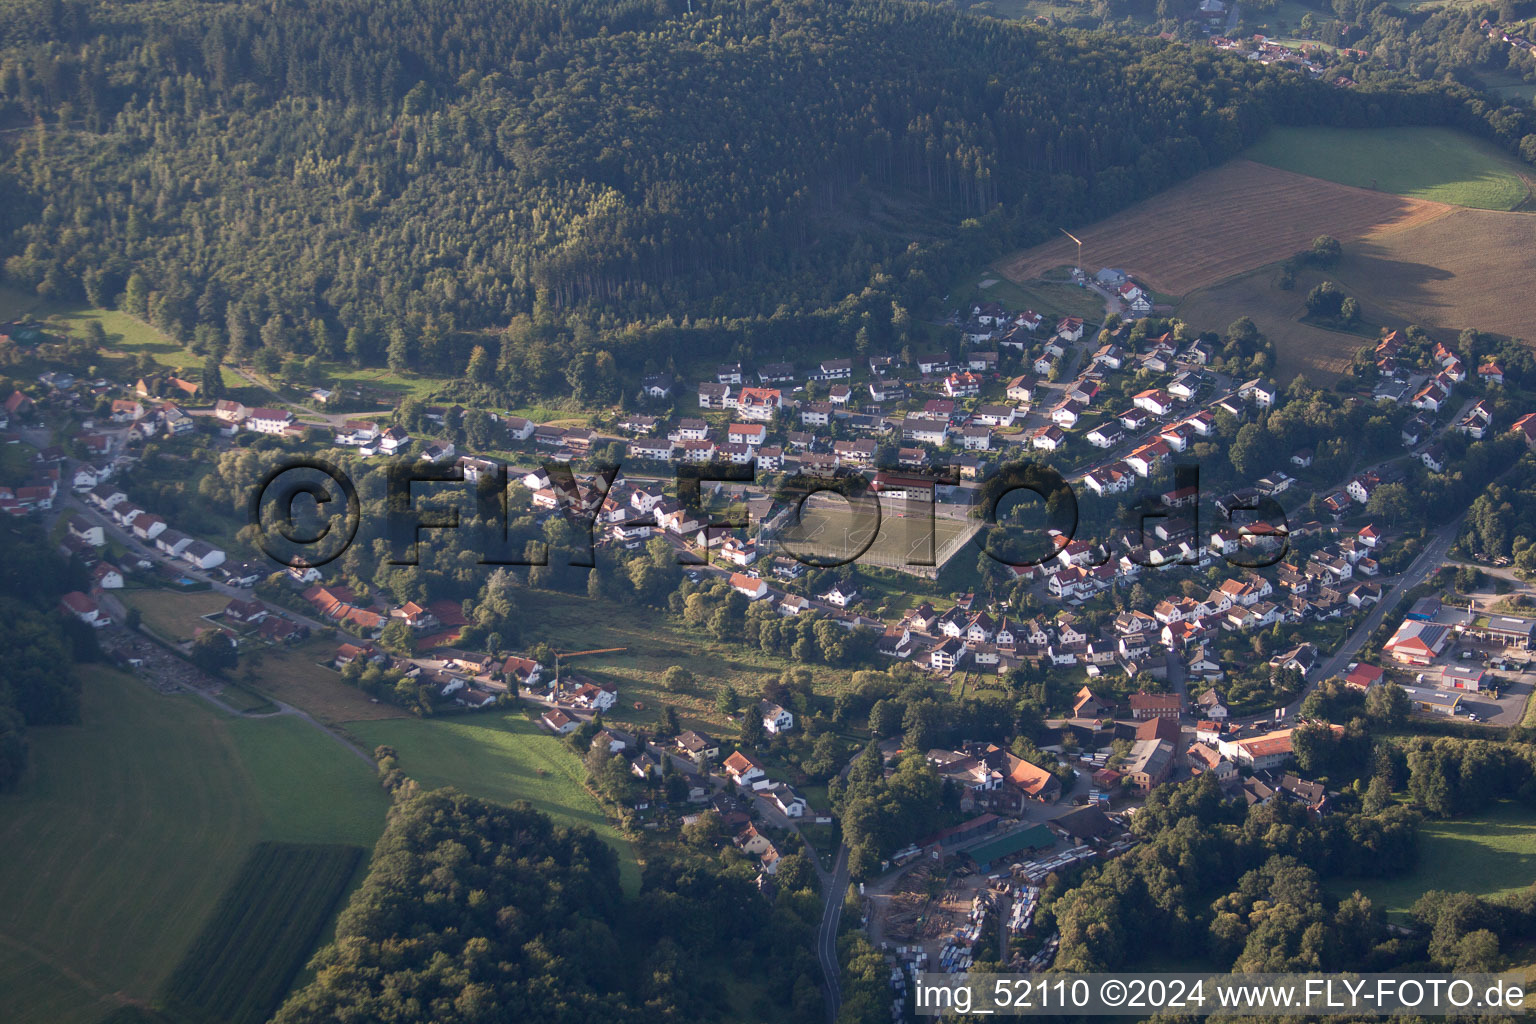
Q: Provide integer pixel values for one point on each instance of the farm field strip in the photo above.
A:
(247, 956)
(128, 828)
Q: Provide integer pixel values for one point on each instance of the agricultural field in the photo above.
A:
(1230, 220)
(502, 756)
(1322, 355)
(309, 787)
(129, 828)
(259, 938)
(1451, 272)
(1455, 271)
(1433, 164)
(1491, 854)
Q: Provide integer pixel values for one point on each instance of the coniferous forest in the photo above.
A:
(384, 182)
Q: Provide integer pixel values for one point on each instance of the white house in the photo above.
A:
(202, 554)
(789, 803)
(841, 595)
(394, 440)
(744, 770)
(84, 609)
(1070, 328)
(268, 421)
(558, 722)
(751, 588)
(776, 718)
(88, 532)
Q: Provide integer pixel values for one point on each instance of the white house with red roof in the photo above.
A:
(1070, 328)
(268, 421)
(558, 722)
(745, 771)
(747, 433)
(84, 609)
(750, 587)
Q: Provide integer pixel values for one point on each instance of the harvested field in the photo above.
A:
(1453, 272)
(1235, 218)
(1447, 273)
(1322, 355)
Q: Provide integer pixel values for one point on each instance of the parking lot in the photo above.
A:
(1513, 683)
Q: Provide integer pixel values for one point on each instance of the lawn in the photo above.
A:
(295, 675)
(1508, 86)
(1491, 854)
(174, 616)
(501, 756)
(654, 642)
(1053, 299)
(1435, 164)
(125, 334)
(128, 829)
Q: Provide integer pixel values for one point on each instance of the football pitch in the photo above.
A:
(908, 536)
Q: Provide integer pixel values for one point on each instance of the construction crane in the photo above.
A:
(577, 654)
(1079, 242)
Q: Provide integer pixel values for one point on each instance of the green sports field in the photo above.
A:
(1491, 854)
(501, 756)
(128, 829)
(1435, 164)
(908, 537)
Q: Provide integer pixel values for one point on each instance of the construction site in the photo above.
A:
(943, 915)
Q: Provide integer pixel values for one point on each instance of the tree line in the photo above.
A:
(40, 684)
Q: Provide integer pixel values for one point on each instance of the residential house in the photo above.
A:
(776, 718)
(558, 722)
(697, 746)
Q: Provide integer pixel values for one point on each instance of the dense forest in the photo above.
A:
(385, 182)
(472, 911)
(39, 684)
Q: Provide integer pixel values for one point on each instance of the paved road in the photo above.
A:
(833, 891)
(1428, 561)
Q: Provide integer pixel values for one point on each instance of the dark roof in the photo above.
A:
(1086, 823)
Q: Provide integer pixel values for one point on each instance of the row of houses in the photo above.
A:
(151, 528)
